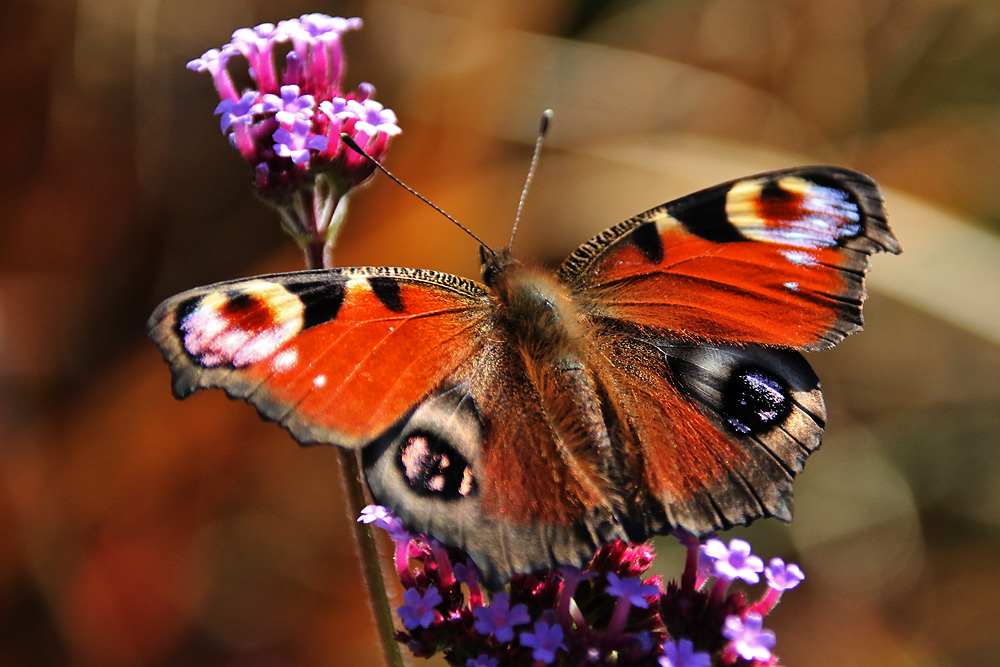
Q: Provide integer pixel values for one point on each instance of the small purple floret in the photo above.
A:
(212, 60)
(682, 654)
(499, 619)
(734, 561)
(749, 638)
(334, 107)
(372, 117)
(546, 640)
(418, 610)
(632, 589)
(482, 660)
(783, 577)
(238, 112)
(465, 574)
(321, 25)
(290, 106)
(252, 40)
(382, 518)
(296, 142)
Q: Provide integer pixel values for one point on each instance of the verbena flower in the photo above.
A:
(780, 578)
(545, 641)
(499, 619)
(287, 126)
(607, 613)
(681, 653)
(734, 561)
(749, 638)
(418, 609)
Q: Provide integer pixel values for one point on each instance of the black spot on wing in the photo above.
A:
(754, 401)
(704, 215)
(431, 466)
(646, 238)
(240, 302)
(184, 308)
(772, 192)
(321, 300)
(386, 290)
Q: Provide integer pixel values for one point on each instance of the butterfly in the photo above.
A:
(652, 383)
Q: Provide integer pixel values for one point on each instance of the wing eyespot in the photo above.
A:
(432, 467)
(754, 401)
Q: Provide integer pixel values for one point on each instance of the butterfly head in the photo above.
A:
(494, 264)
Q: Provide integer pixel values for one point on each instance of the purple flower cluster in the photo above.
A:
(288, 126)
(605, 613)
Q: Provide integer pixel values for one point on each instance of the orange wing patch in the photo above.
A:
(743, 292)
(373, 364)
(335, 356)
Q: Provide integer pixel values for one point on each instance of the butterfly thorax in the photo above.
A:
(535, 309)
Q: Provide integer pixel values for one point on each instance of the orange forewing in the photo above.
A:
(745, 292)
(359, 372)
(323, 352)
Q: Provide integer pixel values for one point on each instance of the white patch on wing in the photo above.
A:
(319, 381)
(285, 360)
(666, 222)
(216, 332)
(357, 283)
(799, 258)
(793, 286)
(825, 215)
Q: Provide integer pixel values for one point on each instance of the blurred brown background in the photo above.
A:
(137, 530)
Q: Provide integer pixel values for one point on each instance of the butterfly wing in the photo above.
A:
(408, 365)
(335, 356)
(688, 302)
(720, 431)
(776, 259)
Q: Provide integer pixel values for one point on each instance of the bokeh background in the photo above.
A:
(137, 530)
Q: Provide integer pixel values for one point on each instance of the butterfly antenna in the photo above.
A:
(360, 151)
(542, 131)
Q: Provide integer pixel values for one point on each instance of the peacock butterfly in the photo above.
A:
(651, 383)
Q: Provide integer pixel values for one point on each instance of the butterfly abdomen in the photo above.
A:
(538, 317)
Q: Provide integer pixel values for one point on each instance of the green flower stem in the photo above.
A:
(318, 256)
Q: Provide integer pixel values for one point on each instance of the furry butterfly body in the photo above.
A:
(651, 383)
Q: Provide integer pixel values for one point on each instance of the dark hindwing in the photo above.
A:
(720, 431)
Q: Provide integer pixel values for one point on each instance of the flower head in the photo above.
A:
(275, 124)
(604, 613)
